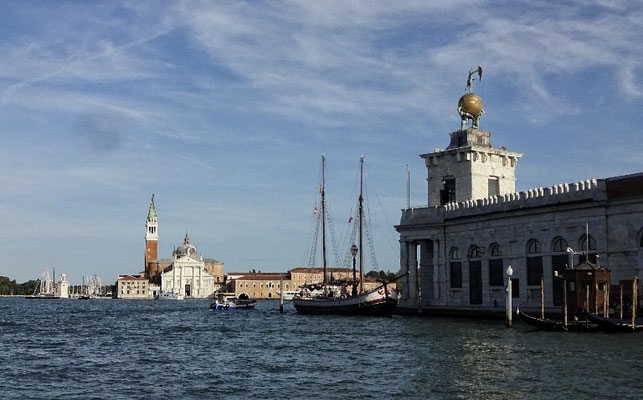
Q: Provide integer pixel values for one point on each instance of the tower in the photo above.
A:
(470, 167)
(151, 237)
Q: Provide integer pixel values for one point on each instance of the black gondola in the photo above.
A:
(556, 325)
(540, 323)
(616, 325)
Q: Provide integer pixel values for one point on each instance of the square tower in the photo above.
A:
(469, 168)
(151, 236)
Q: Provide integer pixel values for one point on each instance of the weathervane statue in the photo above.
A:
(470, 105)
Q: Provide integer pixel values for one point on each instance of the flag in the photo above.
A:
(350, 220)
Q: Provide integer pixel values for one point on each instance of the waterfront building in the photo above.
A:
(456, 248)
(187, 274)
(132, 287)
(266, 286)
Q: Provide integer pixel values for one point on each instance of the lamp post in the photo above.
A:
(510, 272)
(354, 253)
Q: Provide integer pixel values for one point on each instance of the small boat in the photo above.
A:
(545, 324)
(289, 294)
(616, 325)
(228, 301)
(169, 296)
(540, 323)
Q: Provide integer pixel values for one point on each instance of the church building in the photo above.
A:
(186, 272)
(457, 248)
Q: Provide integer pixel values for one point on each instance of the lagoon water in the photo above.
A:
(122, 349)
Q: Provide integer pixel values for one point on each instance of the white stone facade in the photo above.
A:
(187, 275)
(456, 249)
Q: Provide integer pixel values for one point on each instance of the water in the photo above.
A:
(71, 349)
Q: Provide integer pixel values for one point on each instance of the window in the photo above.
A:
(534, 270)
(455, 253)
(559, 245)
(474, 252)
(591, 255)
(534, 247)
(447, 193)
(496, 272)
(455, 268)
(456, 274)
(494, 186)
(534, 263)
(495, 250)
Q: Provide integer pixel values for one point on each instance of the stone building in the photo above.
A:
(261, 285)
(187, 274)
(457, 248)
(132, 287)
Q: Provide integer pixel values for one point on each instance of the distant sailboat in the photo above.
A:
(46, 288)
(329, 298)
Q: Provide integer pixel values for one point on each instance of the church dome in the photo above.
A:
(186, 249)
(471, 103)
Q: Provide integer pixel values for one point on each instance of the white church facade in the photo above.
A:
(187, 274)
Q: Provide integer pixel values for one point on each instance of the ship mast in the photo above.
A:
(323, 215)
(361, 216)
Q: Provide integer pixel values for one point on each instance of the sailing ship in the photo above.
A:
(92, 288)
(329, 297)
(46, 288)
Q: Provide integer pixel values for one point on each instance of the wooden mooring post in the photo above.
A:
(565, 301)
(621, 300)
(542, 297)
(281, 296)
(635, 301)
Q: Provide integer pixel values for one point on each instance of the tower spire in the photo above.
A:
(152, 212)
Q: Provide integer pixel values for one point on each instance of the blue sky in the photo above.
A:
(222, 109)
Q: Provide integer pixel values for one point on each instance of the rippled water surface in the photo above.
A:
(98, 349)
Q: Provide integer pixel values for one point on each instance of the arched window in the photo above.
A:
(455, 253)
(583, 243)
(534, 247)
(587, 246)
(455, 269)
(474, 252)
(495, 250)
(558, 264)
(534, 262)
(559, 245)
(475, 275)
(496, 267)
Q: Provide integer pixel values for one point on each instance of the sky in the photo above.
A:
(223, 109)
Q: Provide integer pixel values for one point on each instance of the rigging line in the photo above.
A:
(390, 236)
(314, 222)
(345, 239)
(367, 229)
(333, 236)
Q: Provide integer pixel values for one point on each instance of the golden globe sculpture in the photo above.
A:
(470, 104)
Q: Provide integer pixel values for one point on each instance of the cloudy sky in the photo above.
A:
(223, 109)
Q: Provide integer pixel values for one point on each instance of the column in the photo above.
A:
(426, 272)
(413, 273)
(403, 269)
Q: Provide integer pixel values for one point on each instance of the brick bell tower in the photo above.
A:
(151, 238)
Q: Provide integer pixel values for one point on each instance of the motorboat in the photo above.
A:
(169, 296)
(228, 301)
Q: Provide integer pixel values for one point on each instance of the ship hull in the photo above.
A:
(374, 303)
